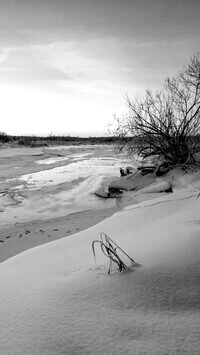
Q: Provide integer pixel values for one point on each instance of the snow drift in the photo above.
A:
(54, 300)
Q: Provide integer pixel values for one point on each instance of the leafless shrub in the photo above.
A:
(165, 126)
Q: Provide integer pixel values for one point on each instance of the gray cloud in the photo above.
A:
(21, 65)
(122, 42)
(24, 21)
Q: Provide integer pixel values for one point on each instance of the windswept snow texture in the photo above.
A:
(54, 300)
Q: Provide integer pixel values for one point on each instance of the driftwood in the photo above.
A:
(127, 171)
(159, 170)
(147, 169)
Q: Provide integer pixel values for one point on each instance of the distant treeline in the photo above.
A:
(39, 141)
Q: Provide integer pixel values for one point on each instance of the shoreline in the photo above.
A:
(17, 238)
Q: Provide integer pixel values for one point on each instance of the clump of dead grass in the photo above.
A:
(111, 250)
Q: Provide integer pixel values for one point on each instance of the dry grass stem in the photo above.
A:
(110, 249)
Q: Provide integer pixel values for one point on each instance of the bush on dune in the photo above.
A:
(165, 126)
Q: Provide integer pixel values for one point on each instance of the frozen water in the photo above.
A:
(54, 160)
(76, 170)
(69, 185)
(49, 161)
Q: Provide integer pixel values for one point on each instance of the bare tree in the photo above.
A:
(165, 125)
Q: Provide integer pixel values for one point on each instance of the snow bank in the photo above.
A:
(158, 186)
(54, 300)
(133, 181)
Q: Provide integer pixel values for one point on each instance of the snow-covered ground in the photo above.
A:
(55, 300)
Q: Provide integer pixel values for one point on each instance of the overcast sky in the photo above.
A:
(66, 65)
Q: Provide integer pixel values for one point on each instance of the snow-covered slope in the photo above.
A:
(54, 300)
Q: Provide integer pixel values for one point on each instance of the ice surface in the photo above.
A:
(49, 161)
(76, 170)
(67, 186)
